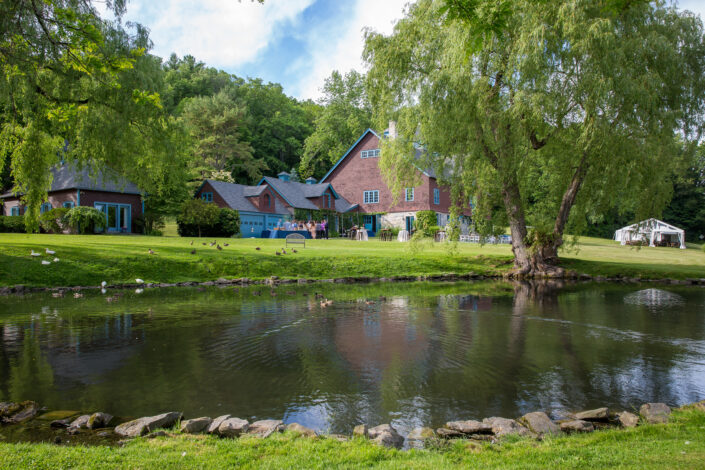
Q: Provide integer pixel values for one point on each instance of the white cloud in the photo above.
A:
(341, 49)
(220, 33)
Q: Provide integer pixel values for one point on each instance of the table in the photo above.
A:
(284, 233)
(403, 236)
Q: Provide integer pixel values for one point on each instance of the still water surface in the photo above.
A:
(411, 354)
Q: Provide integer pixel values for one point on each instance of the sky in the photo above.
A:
(297, 43)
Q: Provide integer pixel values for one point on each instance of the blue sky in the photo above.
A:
(297, 43)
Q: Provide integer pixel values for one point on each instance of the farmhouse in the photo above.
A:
(273, 201)
(357, 177)
(118, 198)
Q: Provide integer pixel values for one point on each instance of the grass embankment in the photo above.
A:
(90, 259)
(678, 444)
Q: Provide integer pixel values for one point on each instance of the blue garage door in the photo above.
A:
(275, 220)
(251, 225)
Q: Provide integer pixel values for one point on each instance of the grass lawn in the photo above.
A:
(90, 259)
(679, 444)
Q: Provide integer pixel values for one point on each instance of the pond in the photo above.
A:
(411, 354)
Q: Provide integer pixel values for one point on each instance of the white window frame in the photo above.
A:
(436, 196)
(369, 153)
(371, 197)
(406, 195)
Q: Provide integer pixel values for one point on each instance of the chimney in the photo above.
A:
(392, 129)
(310, 180)
(284, 176)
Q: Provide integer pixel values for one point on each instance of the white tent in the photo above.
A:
(652, 231)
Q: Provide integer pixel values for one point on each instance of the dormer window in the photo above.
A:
(267, 200)
(369, 153)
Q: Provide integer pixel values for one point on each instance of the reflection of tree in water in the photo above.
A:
(31, 375)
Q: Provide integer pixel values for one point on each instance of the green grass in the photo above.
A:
(90, 259)
(679, 444)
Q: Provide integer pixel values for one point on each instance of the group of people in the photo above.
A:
(316, 229)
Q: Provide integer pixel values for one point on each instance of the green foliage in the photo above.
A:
(228, 223)
(53, 221)
(85, 220)
(549, 133)
(12, 224)
(195, 215)
(425, 223)
(346, 114)
(317, 215)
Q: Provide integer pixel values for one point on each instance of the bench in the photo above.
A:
(295, 239)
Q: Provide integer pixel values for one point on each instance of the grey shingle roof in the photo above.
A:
(296, 193)
(68, 176)
(235, 195)
(343, 205)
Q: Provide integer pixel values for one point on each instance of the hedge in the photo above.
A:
(12, 224)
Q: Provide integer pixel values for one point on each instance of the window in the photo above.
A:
(369, 153)
(267, 200)
(208, 197)
(371, 197)
(45, 207)
(68, 204)
(15, 211)
(329, 200)
(409, 194)
(436, 196)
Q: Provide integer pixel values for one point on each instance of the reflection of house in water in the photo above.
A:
(475, 303)
(378, 338)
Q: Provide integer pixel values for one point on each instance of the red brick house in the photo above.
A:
(357, 178)
(273, 201)
(119, 199)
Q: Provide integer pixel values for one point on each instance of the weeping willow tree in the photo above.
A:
(79, 88)
(552, 110)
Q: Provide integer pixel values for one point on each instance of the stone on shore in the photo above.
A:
(446, 433)
(539, 423)
(60, 423)
(303, 430)
(577, 425)
(213, 427)
(504, 427)
(8, 408)
(195, 425)
(599, 414)
(627, 419)
(385, 435)
(99, 420)
(469, 427)
(142, 426)
(29, 410)
(233, 427)
(360, 430)
(80, 423)
(266, 427)
(655, 413)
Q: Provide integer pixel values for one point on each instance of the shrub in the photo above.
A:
(84, 219)
(12, 224)
(204, 219)
(425, 223)
(54, 220)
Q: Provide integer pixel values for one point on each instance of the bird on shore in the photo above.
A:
(317, 295)
(370, 302)
(204, 243)
(191, 242)
(110, 299)
(193, 252)
(213, 243)
(45, 262)
(57, 294)
(277, 253)
(56, 260)
(151, 251)
(283, 251)
(35, 254)
(293, 250)
(49, 252)
(256, 292)
(77, 295)
(220, 248)
(226, 244)
(258, 248)
(139, 281)
(325, 303)
(103, 284)
(382, 298)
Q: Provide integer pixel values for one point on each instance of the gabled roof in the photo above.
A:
(342, 205)
(68, 176)
(368, 131)
(297, 194)
(649, 225)
(235, 196)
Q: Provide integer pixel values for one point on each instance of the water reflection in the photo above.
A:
(424, 354)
